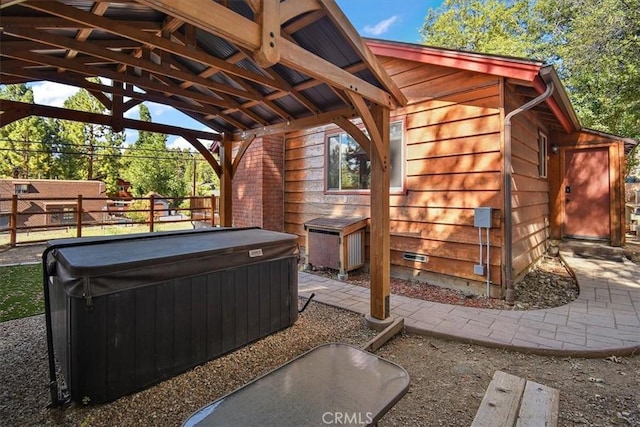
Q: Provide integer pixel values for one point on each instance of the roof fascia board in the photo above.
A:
(628, 143)
(525, 71)
(559, 103)
(505, 67)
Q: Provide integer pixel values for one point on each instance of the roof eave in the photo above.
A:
(629, 143)
(559, 103)
(508, 67)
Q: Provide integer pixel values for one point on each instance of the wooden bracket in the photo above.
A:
(268, 18)
(372, 127)
(243, 149)
(355, 133)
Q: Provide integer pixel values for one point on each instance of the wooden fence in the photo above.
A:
(20, 214)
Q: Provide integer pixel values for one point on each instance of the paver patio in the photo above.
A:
(604, 320)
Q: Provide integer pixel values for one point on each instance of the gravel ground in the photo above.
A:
(448, 379)
(24, 393)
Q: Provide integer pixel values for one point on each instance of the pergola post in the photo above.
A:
(226, 181)
(380, 257)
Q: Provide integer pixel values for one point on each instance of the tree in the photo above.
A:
(87, 150)
(491, 26)
(151, 167)
(25, 145)
(603, 66)
(594, 45)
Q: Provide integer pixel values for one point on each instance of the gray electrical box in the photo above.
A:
(482, 217)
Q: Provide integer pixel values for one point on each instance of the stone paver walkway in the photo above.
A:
(603, 321)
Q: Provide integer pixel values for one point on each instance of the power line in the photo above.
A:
(70, 144)
(98, 154)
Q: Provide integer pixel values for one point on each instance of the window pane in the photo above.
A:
(355, 165)
(395, 142)
(349, 167)
(333, 163)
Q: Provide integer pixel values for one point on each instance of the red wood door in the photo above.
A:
(586, 190)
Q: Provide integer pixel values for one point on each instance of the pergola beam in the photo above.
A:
(102, 119)
(88, 70)
(130, 32)
(217, 19)
(121, 58)
(295, 125)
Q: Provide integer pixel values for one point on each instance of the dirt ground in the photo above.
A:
(449, 379)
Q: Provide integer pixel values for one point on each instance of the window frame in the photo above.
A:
(402, 162)
(543, 154)
(21, 188)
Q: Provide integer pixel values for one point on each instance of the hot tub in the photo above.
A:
(124, 313)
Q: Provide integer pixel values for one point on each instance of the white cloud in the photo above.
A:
(157, 109)
(181, 143)
(52, 94)
(381, 27)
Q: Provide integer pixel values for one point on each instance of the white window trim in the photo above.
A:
(367, 190)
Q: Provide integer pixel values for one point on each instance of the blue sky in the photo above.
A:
(398, 20)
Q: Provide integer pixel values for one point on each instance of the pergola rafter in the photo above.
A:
(243, 68)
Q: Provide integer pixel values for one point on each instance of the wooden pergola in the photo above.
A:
(242, 68)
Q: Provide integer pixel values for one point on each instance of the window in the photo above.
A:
(349, 167)
(21, 188)
(61, 215)
(542, 155)
(68, 215)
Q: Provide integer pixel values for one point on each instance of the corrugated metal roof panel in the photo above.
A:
(290, 104)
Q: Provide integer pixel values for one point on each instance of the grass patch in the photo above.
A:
(89, 231)
(20, 291)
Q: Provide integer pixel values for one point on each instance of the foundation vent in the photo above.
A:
(411, 256)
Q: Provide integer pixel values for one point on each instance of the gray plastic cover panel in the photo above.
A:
(107, 265)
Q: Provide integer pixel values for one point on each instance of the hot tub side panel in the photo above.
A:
(129, 340)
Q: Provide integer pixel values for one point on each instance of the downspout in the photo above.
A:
(508, 216)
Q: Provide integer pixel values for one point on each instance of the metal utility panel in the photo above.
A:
(482, 217)
(336, 242)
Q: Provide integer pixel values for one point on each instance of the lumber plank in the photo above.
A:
(500, 404)
(540, 406)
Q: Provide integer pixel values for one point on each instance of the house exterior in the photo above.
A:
(451, 152)
(119, 201)
(50, 203)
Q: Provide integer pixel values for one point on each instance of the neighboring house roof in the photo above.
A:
(47, 189)
(529, 74)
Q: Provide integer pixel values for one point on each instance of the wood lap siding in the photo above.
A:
(304, 184)
(530, 193)
(452, 165)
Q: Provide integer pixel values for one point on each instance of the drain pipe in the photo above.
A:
(508, 216)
